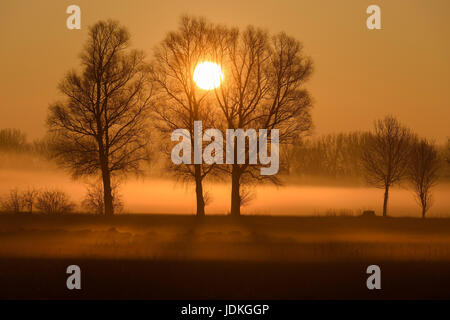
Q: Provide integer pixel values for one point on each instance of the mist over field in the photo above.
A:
(157, 195)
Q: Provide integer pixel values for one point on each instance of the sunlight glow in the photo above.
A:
(208, 75)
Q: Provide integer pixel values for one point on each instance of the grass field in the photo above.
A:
(217, 257)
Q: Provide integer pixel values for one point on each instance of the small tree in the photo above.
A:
(423, 172)
(385, 155)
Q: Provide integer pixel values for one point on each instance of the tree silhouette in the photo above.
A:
(263, 89)
(101, 126)
(179, 101)
(386, 154)
(423, 170)
(13, 202)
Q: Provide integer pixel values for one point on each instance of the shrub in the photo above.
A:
(94, 199)
(54, 202)
(13, 202)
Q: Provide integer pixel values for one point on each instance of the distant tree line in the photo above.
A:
(337, 157)
(14, 141)
(331, 156)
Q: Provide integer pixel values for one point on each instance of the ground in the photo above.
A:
(219, 257)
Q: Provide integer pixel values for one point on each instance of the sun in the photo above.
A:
(208, 75)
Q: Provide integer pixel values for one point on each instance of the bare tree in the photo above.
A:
(13, 202)
(423, 170)
(263, 89)
(385, 155)
(180, 102)
(101, 126)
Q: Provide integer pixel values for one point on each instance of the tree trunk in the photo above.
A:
(104, 166)
(199, 191)
(107, 192)
(386, 198)
(235, 191)
(424, 206)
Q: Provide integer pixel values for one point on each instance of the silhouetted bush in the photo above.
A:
(13, 202)
(54, 202)
(94, 199)
(368, 213)
(19, 201)
(247, 195)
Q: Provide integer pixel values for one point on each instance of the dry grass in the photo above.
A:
(251, 238)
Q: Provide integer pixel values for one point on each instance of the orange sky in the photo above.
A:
(360, 75)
